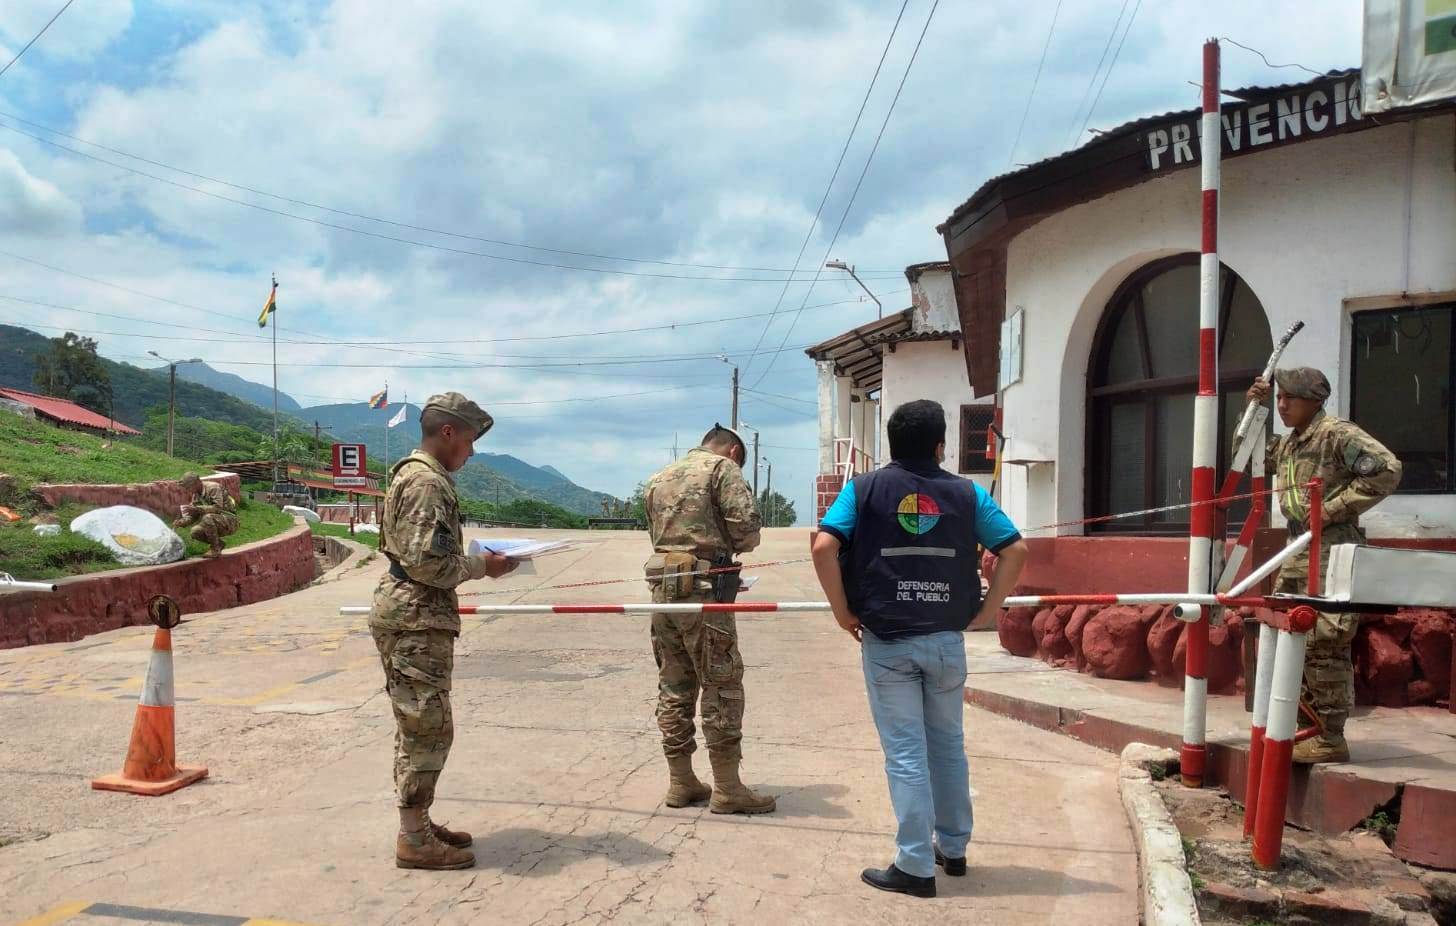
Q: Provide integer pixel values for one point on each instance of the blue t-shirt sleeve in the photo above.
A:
(993, 529)
(839, 519)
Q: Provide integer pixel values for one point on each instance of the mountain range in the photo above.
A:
(203, 392)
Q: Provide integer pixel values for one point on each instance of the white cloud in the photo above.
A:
(83, 30)
(32, 206)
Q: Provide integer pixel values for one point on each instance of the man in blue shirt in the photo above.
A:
(896, 555)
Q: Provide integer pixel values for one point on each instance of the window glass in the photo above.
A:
(1127, 445)
(1125, 355)
(1402, 390)
(1170, 306)
(1246, 342)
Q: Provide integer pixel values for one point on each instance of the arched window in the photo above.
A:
(1141, 383)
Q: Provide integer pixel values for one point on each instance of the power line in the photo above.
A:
(1097, 70)
(775, 395)
(1266, 60)
(1011, 158)
(1107, 76)
(855, 192)
(36, 37)
(283, 213)
(813, 224)
(396, 223)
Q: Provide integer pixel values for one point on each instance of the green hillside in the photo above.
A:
(32, 452)
(136, 391)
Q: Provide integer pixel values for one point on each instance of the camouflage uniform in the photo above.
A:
(415, 618)
(700, 505)
(1358, 472)
(212, 514)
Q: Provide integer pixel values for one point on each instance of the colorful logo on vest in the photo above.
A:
(918, 513)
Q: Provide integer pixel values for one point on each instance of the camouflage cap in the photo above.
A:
(457, 406)
(1303, 383)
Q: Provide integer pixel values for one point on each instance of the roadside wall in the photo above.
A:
(162, 499)
(84, 605)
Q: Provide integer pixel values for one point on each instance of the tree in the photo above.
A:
(293, 447)
(776, 510)
(72, 370)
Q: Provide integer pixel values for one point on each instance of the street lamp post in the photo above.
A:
(172, 394)
(768, 498)
(724, 358)
(744, 424)
(849, 268)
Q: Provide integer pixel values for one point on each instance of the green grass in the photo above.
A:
(32, 452)
(369, 539)
(25, 555)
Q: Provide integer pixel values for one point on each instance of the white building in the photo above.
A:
(864, 373)
(1344, 222)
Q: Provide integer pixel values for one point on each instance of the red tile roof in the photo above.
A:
(66, 412)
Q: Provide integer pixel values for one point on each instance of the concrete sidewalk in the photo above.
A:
(1402, 755)
(556, 769)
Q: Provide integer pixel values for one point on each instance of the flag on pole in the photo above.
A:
(398, 418)
(380, 399)
(269, 307)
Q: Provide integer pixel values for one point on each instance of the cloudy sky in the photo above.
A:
(545, 170)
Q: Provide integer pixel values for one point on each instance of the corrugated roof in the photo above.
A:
(1114, 135)
(65, 411)
(858, 352)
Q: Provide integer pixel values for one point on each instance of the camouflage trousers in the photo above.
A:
(211, 528)
(697, 658)
(417, 668)
(1329, 670)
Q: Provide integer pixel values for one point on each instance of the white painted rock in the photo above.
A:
(299, 512)
(134, 536)
(48, 530)
(365, 529)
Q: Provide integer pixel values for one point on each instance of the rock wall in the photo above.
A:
(162, 499)
(84, 605)
(1404, 659)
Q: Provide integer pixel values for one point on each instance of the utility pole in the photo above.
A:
(172, 394)
(755, 464)
(768, 492)
(275, 384)
(735, 398)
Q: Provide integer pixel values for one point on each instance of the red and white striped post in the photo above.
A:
(1205, 438)
(1263, 684)
(1278, 748)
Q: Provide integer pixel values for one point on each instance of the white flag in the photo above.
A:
(398, 416)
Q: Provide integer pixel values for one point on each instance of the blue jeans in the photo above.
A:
(916, 688)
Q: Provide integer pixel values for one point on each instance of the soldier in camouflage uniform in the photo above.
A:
(415, 619)
(1358, 472)
(210, 514)
(700, 509)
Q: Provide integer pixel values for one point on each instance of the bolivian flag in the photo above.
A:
(268, 307)
(380, 399)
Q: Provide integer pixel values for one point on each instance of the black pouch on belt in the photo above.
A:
(727, 583)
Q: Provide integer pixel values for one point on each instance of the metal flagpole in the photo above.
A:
(274, 297)
(1204, 519)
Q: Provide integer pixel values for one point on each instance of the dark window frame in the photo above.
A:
(1450, 309)
(973, 460)
(1101, 399)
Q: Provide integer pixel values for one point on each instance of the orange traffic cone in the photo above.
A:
(151, 760)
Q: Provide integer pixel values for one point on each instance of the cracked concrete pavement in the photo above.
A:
(556, 769)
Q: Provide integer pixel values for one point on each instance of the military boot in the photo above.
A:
(684, 788)
(1327, 747)
(456, 838)
(730, 795)
(424, 850)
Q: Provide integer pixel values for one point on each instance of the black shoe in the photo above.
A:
(896, 881)
(955, 867)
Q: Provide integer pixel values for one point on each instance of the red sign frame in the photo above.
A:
(350, 466)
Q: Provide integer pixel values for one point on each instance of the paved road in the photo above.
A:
(556, 769)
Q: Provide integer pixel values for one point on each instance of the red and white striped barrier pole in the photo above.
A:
(1205, 438)
(1263, 682)
(1278, 750)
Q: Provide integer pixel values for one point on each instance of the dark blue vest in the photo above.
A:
(910, 566)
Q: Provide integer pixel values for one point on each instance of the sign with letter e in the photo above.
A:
(349, 472)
